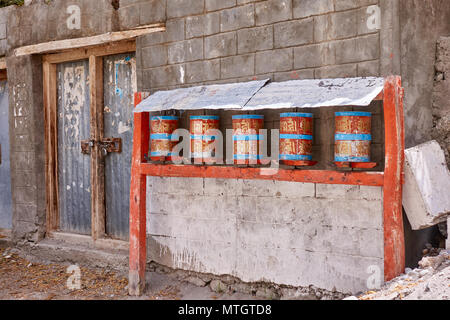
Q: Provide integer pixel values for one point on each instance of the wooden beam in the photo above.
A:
(98, 209)
(138, 193)
(99, 51)
(224, 172)
(394, 240)
(51, 145)
(55, 46)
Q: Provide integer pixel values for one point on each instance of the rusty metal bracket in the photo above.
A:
(111, 145)
(86, 146)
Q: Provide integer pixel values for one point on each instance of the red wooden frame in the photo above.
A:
(391, 180)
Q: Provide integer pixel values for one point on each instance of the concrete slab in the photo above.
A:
(426, 196)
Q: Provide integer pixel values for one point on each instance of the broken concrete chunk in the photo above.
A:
(426, 193)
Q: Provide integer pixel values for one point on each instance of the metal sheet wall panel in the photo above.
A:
(119, 88)
(73, 167)
(5, 169)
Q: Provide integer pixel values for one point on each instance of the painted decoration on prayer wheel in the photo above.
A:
(161, 134)
(202, 143)
(246, 138)
(296, 139)
(353, 137)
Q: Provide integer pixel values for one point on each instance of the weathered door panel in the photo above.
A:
(5, 169)
(119, 88)
(74, 169)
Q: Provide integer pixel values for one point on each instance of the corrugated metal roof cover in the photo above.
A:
(223, 96)
(256, 95)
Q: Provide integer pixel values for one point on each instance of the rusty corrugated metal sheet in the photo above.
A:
(5, 168)
(119, 88)
(73, 167)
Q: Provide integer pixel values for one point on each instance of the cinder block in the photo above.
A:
(348, 192)
(221, 45)
(238, 66)
(335, 26)
(293, 33)
(154, 56)
(306, 8)
(174, 32)
(222, 229)
(129, 17)
(294, 75)
(182, 8)
(271, 11)
(369, 69)
(237, 18)
(344, 273)
(200, 71)
(197, 256)
(352, 4)
(359, 49)
(223, 187)
(255, 39)
(203, 25)
(274, 60)
(185, 51)
(317, 55)
(340, 71)
(427, 183)
(213, 5)
(280, 189)
(152, 11)
(164, 76)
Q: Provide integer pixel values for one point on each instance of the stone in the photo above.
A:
(271, 11)
(293, 33)
(427, 181)
(266, 293)
(218, 286)
(433, 262)
(220, 45)
(306, 8)
(237, 18)
(196, 281)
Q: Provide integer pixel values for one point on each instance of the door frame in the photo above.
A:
(4, 76)
(95, 55)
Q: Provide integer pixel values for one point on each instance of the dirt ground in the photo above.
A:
(23, 280)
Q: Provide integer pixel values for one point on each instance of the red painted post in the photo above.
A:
(138, 246)
(394, 240)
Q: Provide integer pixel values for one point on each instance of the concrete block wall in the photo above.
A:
(268, 231)
(239, 40)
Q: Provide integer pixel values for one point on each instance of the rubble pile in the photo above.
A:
(430, 281)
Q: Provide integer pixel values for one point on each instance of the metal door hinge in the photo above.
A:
(86, 146)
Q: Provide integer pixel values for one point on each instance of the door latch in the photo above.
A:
(107, 145)
(110, 145)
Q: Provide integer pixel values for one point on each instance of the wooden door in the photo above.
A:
(74, 168)
(119, 87)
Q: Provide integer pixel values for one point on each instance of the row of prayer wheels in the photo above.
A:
(352, 138)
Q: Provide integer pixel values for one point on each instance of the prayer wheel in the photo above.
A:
(296, 139)
(202, 143)
(353, 137)
(246, 138)
(161, 134)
